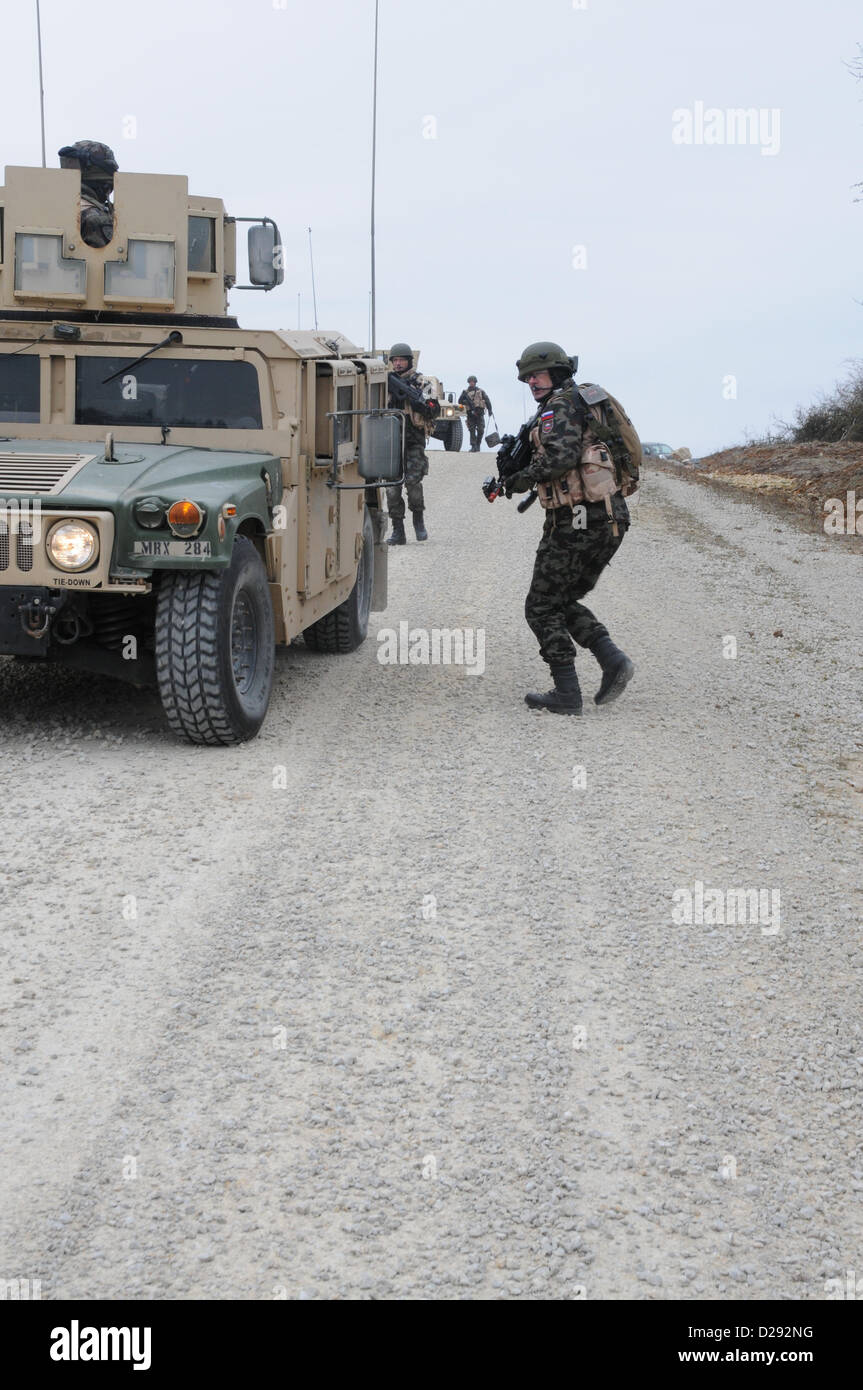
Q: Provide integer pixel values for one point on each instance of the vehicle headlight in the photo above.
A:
(73, 545)
(149, 512)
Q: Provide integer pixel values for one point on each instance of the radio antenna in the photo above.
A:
(41, 87)
(312, 264)
(374, 163)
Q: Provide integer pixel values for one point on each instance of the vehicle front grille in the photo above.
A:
(41, 475)
(24, 547)
(18, 535)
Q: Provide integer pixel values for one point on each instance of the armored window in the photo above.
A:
(147, 274)
(19, 389)
(345, 401)
(42, 269)
(184, 394)
(202, 245)
(376, 396)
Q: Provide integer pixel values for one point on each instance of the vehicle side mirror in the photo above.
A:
(266, 257)
(450, 396)
(380, 448)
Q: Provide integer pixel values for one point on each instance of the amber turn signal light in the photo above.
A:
(185, 518)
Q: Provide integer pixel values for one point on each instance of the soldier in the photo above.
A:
(477, 402)
(418, 427)
(98, 167)
(578, 539)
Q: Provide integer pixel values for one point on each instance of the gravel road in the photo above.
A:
(395, 1002)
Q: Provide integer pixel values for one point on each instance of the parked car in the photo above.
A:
(665, 451)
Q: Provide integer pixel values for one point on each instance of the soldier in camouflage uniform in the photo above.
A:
(578, 539)
(98, 167)
(476, 402)
(418, 427)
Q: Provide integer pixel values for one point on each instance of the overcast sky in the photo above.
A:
(529, 182)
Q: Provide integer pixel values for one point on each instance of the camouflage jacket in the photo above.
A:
(476, 400)
(97, 218)
(419, 419)
(557, 436)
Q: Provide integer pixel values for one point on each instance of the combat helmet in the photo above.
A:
(95, 160)
(402, 350)
(545, 357)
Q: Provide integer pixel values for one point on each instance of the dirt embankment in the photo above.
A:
(802, 478)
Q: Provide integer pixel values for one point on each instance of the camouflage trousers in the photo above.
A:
(416, 467)
(568, 565)
(475, 428)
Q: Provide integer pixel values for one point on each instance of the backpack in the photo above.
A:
(608, 424)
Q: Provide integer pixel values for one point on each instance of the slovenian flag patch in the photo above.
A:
(547, 419)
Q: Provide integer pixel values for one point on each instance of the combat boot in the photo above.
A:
(617, 670)
(419, 526)
(566, 696)
(397, 537)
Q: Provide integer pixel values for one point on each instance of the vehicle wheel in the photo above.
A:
(454, 436)
(216, 649)
(345, 628)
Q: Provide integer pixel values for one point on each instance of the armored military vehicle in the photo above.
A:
(449, 426)
(177, 495)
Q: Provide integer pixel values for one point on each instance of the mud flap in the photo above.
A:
(379, 585)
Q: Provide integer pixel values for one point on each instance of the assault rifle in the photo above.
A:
(403, 394)
(512, 456)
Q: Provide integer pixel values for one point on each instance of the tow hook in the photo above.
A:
(36, 617)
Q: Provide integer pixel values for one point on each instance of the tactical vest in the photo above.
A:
(417, 418)
(610, 455)
(477, 401)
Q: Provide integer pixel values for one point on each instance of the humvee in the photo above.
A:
(449, 426)
(178, 496)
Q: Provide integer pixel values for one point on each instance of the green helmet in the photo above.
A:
(402, 350)
(542, 357)
(95, 160)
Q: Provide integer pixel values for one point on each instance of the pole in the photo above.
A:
(298, 309)
(312, 263)
(41, 87)
(374, 167)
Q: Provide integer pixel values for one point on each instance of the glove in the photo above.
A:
(516, 483)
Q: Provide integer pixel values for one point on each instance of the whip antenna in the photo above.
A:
(312, 264)
(41, 88)
(374, 161)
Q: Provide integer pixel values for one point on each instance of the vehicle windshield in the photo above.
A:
(19, 389)
(182, 393)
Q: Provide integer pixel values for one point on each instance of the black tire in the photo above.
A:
(216, 649)
(454, 436)
(346, 627)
